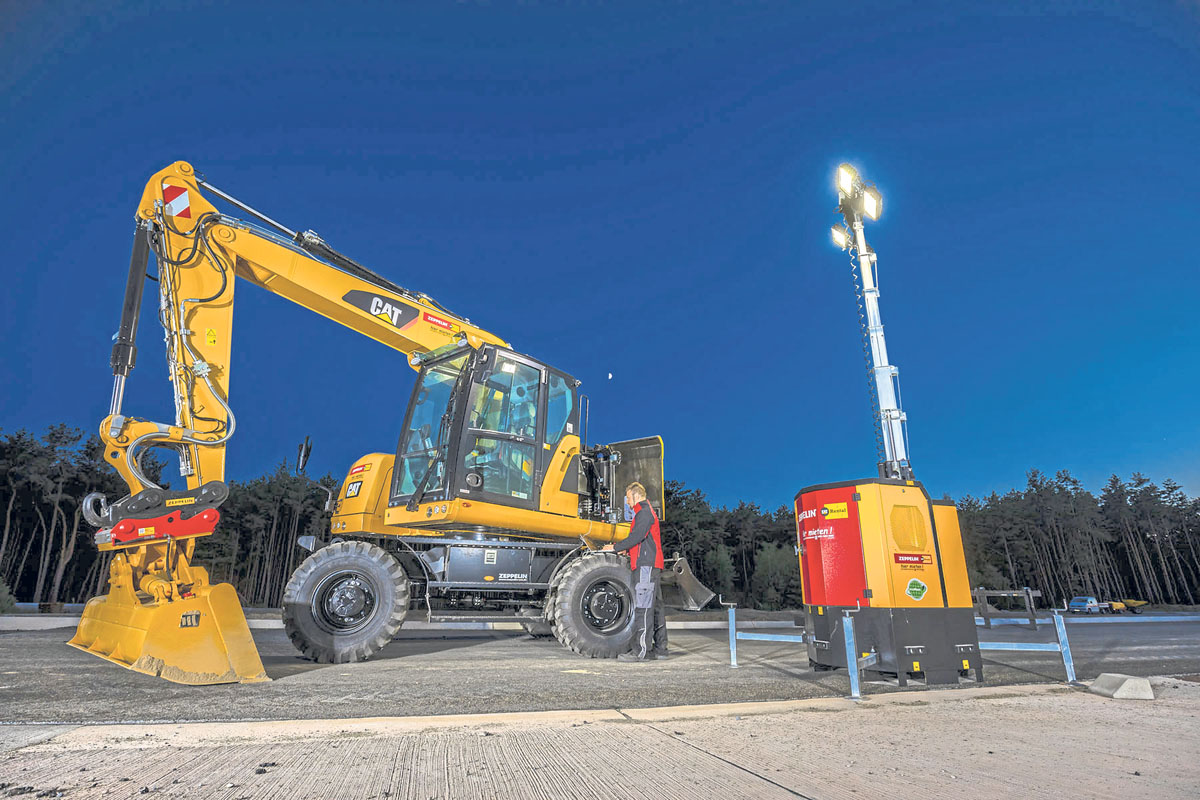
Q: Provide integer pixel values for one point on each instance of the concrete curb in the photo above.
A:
(1122, 687)
(217, 734)
(42, 622)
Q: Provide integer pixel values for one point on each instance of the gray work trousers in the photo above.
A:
(648, 614)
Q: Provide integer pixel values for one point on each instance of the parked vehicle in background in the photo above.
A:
(1090, 605)
(1135, 606)
(1084, 605)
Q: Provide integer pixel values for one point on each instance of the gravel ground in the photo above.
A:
(44, 681)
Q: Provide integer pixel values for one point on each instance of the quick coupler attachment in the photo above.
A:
(154, 515)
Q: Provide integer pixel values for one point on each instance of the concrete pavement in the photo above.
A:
(1031, 742)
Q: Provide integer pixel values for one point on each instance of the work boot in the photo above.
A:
(628, 657)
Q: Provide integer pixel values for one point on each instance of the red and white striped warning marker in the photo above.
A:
(175, 201)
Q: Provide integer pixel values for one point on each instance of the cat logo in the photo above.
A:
(190, 620)
(392, 311)
(352, 488)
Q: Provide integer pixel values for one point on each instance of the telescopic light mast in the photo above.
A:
(856, 200)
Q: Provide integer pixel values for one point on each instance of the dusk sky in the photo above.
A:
(645, 189)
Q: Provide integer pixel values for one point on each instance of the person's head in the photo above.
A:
(635, 493)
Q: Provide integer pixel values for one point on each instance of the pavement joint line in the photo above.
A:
(711, 754)
(85, 736)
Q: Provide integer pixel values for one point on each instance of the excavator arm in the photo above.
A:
(158, 598)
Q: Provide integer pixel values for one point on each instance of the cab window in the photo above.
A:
(419, 443)
(506, 400)
(559, 404)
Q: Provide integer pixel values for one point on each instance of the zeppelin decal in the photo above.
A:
(445, 325)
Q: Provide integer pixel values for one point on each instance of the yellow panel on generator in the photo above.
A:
(898, 537)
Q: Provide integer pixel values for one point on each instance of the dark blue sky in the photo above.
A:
(646, 190)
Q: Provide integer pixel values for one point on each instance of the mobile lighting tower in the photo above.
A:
(879, 551)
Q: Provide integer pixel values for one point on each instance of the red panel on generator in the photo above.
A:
(831, 555)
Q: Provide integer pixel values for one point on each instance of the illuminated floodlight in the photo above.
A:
(847, 176)
(872, 203)
(841, 236)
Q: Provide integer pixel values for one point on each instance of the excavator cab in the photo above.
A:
(490, 425)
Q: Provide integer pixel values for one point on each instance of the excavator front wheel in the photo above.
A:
(593, 606)
(345, 602)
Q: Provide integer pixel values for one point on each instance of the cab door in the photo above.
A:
(500, 454)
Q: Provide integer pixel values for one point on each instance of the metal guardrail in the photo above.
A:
(1061, 645)
(852, 656)
(735, 634)
(1060, 623)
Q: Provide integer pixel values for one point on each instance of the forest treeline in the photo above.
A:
(1135, 539)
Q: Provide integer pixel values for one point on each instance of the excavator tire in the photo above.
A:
(345, 602)
(535, 623)
(593, 606)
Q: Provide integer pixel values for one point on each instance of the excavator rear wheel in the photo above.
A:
(593, 606)
(345, 602)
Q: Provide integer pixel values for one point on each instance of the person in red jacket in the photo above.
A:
(644, 545)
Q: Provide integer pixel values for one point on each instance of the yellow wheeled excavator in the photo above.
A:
(490, 508)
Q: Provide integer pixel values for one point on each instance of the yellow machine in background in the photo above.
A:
(491, 504)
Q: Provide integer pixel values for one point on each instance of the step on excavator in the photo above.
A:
(491, 508)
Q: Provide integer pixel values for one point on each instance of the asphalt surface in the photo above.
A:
(45, 682)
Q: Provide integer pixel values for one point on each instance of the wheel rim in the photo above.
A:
(344, 602)
(605, 606)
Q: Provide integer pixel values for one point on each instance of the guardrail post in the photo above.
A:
(733, 636)
(851, 655)
(1064, 647)
(981, 606)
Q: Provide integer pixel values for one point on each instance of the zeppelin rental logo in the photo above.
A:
(916, 589)
(835, 511)
(388, 309)
(190, 620)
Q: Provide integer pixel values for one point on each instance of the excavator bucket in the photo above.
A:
(200, 638)
(681, 589)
